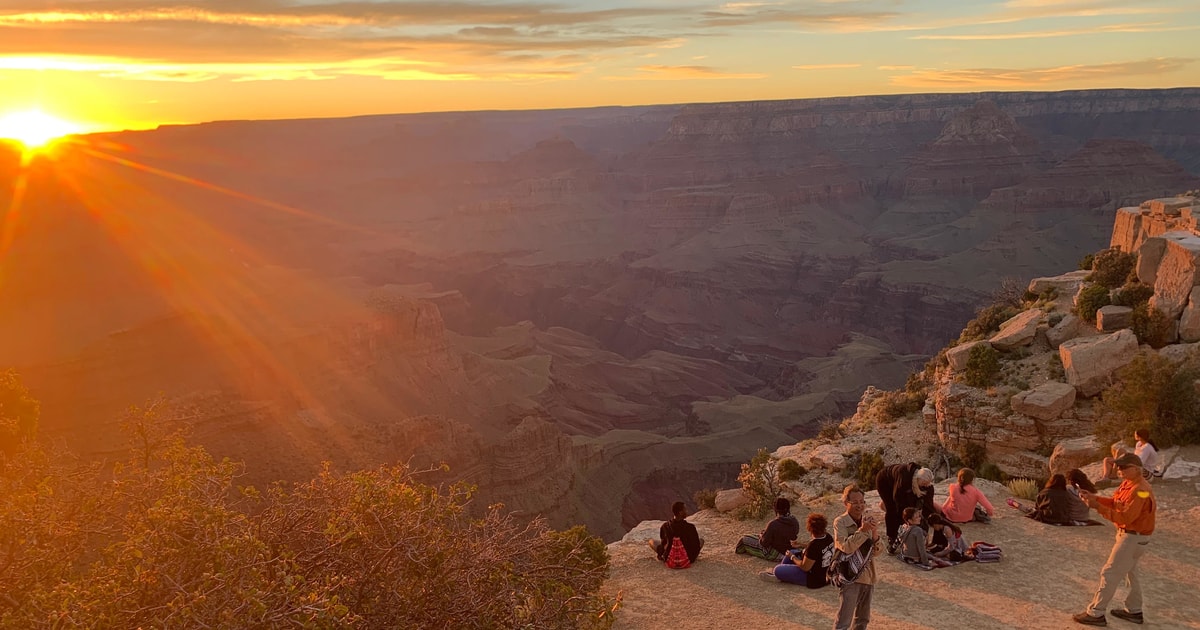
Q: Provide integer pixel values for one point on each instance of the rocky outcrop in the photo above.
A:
(960, 354)
(730, 500)
(1112, 318)
(1089, 362)
(1067, 328)
(1018, 331)
(1177, 273)
(1065, 284)
(1074, 453)
(1045, 402)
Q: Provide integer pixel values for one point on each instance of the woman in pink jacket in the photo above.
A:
(964, 496)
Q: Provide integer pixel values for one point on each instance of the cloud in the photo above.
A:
(1037, 77)
(827, 66)
(663, 72)
(895, 67)
(803, 17)
(1147, 27)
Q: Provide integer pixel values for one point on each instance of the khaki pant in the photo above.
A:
(1121, 565)
(855, 604)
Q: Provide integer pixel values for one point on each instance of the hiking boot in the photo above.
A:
(1131, 617)
(769, 576)
(1089, 620)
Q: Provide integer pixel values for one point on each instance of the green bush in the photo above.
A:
(867, 466)
(973, 455)
(1112, 267)
(991, 472)
(1152, 326)
(986, 322)
(1154, 393)
(760, 482)
(830, 430)
(790, 470)
(705, 499)
(1085, 263)
(983, 366)
(1091, 299)
(1132, 294)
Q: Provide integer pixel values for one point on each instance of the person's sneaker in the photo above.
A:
(1131, 617)
(892, 546)
(1089, 620)
(1012, 503)
(767, 576)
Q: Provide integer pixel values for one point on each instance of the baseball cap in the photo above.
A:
(1128, 459)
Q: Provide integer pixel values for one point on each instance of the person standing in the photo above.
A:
(903, 486)
(1132, 509)
(851, 531)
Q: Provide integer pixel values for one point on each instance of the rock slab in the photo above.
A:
(1066, 284)
(1189, 321)
(1074, 453)
(1067, 328)
(730, 500)
(960, 354)
(828, 456)
(1090, 361)
(1112, 318)
(1177, 273)
(1044, 402)
(1018, 331)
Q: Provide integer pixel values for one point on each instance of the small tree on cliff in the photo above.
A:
(760, 482)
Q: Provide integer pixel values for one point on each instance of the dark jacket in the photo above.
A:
(687, 535)
(895, 489)
(780, 533)
(1053, 505)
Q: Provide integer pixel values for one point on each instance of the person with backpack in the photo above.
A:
(776, 539)
(855, 538)
(677, 532)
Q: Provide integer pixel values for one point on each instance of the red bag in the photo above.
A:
(677, 557)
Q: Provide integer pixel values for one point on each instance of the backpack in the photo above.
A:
(677, 557)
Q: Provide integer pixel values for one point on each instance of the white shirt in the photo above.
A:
(1148, 455)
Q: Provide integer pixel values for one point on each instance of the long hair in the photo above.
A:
(966, 477)
(1076, 478)
(1057, 482)
(1144, 435)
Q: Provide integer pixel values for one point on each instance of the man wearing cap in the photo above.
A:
(1131, 509)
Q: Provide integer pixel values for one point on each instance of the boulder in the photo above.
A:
(1177, 274)
(958, 355)
(1177, 352)
(1067, 328)
(1090, 361)
(1018, 331)
(1044, 402)
(1189, 321)
(828, 456)
(1169, 206)
(730, 500)
(789, 451)
(1112, 318)
(1127, 229)
(1075, 453)
(1066, 284)
(1149, 258)
(1182, 469)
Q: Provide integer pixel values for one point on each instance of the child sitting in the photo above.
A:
(912, 542)
(945, 540)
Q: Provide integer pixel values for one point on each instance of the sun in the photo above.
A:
(34, 128)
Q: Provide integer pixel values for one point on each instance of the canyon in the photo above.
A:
(587, 313)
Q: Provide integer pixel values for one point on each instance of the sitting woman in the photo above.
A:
(1077, 481)
(811, 566)
(1053, 504)
(945, 540)
(1110, 463)
(912, 542)
(1145, 449)
(964, 500)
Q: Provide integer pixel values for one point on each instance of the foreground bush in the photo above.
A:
(760, 481)
(179, 544)
(1152, 326)
(1112, 267)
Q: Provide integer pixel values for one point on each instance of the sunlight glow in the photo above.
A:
(35, 128)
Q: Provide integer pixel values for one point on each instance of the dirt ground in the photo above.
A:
(1047, 574)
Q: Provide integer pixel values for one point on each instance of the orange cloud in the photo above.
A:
(660, 72)
(1147, 27)
(827, 66)
(1036, 77)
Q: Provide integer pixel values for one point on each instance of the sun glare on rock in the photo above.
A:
(35, 129)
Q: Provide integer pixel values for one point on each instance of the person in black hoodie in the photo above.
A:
(1053, 504)
(677, 526)
(903, 486)
(776, 539)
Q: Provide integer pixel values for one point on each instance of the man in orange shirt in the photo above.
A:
(1131, 509)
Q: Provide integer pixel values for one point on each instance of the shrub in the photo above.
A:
(896, 404)
(983, 366)
(1154, 393)
(790, 470)
(992, 472)
(1111, 267)
(1085, 263)
(973, 455)
(705, 499)
(830, 430)
(1091, 299)
(1132, 294)
(1023, 488)
(986, 322)
(760, 482)
(1010, 293)
(19, 412)
(867, 466)
(1151, 325)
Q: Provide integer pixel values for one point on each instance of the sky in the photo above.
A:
(114, 64)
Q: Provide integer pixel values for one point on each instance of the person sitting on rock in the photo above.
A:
(945, 539)
(776, 538)
(677, 527)
(902, 486)
(1109, 471)
(1053, 503)
(1146, 451)
(912, 542)
(965, 501)
(809, 567)
(1077, 483)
